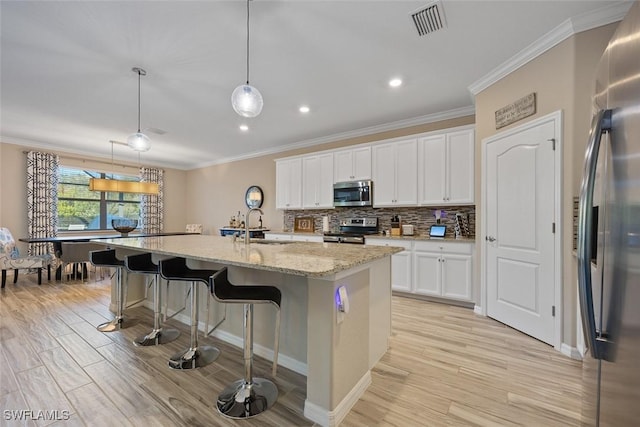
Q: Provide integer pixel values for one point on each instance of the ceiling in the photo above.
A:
(66, 79)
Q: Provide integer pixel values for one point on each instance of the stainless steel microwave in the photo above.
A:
(353, 193)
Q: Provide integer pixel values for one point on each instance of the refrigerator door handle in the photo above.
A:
(600, 124)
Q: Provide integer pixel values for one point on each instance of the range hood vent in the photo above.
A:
(429, 18)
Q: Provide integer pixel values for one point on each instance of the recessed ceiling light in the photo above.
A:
(395, 82)
(304, 109)
(244, 128)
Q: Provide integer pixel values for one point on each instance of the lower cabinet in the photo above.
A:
(302, 237)
(400, 263)
(432, 268)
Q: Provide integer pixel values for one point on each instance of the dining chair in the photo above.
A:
(77, 253)
(10, 259)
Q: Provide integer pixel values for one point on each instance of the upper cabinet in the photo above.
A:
(317, 181)
(446, 165)
(352, 164)
(289, 183)
(431, 169)
(395, 173)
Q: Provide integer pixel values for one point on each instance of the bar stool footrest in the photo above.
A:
(157, 337)
(193, 358)
(116, 324)
(245, 400)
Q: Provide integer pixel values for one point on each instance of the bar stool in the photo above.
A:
(249, 396)
(143, 264)
(175, 269)
(107, 258)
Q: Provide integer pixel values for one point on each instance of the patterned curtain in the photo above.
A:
(42, 199)
(152, 206)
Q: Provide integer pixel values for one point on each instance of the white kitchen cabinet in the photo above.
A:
(352, 164)
(428, 273)
(443, 269)
(395, 173)
(446, 165)
(277, 236)
(302, 237)
(306, 238)
(401, 277)
(289, 183)
(317, 181)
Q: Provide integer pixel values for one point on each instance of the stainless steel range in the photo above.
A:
(353, 230)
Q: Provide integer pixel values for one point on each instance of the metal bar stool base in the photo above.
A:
(157, 337)
(245, 400)
(115, 325)
(194, 358)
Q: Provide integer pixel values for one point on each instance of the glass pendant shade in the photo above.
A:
(139, 141)
(246, 101)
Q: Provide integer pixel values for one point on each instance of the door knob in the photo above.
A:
(490, 239)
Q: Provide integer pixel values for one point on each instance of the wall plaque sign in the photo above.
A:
(518, 110)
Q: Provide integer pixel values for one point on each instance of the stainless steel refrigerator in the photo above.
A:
(609, 236)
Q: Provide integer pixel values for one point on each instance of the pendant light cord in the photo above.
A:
(248, 42)
(112, 167)
(138, 101)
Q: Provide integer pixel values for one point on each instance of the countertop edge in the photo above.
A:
(122, 244)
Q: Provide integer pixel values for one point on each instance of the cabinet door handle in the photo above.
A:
(490, 238)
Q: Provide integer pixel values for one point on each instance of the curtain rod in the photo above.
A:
(94, 161)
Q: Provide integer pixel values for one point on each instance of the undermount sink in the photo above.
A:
(270, 242)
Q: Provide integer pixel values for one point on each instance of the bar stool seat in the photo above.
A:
(250, 396)
(175, 269)
(143, 264)
(107, 258)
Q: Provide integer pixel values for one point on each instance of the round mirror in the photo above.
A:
(253, 197)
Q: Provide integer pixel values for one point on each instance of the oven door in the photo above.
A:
(352, 193)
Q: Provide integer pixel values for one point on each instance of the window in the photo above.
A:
(81, 209)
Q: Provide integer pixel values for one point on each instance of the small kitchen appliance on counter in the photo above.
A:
(353, 230)
(408, 230)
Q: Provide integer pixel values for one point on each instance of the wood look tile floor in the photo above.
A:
(446, 366)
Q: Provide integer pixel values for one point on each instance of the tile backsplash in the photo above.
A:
(421, 217)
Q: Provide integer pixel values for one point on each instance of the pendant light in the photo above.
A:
(139, 141)
(246, 99)
(121, 186)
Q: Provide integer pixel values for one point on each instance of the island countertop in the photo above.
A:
(297, 258)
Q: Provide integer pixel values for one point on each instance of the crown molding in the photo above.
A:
(400, 124)
(586, 21)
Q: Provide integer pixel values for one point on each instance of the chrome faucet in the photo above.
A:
(246, 223)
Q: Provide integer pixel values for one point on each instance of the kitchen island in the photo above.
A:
(335, 350)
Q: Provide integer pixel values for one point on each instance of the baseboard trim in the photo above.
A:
(237, 341)
(572, 352)
(478, 310)
(449, 301)
(333, 418)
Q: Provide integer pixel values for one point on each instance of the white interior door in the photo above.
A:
(520, 241)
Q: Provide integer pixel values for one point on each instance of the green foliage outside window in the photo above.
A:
(82, 209)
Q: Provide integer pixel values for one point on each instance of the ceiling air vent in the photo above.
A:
(429, 18)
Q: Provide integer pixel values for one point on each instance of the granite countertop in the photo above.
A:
(297, 233)
(297, 258)
(386, 237)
